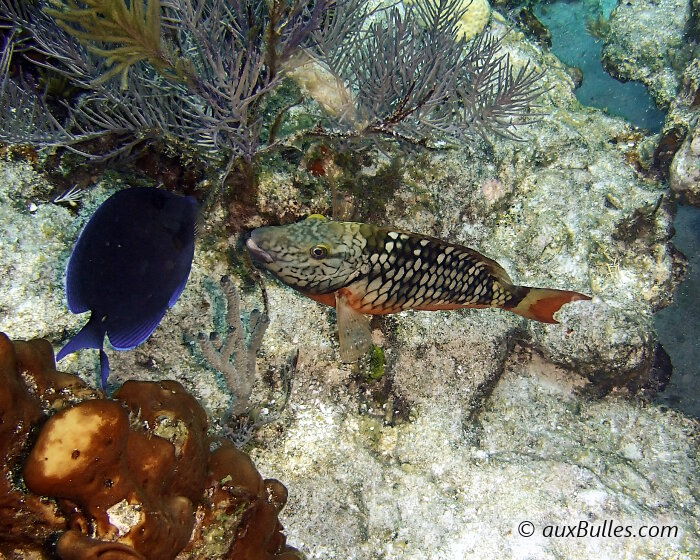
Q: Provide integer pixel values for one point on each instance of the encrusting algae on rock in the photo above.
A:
(128, 477)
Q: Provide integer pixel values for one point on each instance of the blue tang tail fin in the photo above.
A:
(92, 335)
(104, 368)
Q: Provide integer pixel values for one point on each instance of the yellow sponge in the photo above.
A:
(474, 19)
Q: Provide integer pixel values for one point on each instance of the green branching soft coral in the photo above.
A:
(133, 29)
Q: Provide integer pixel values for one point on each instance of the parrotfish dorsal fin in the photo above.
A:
(354, 333)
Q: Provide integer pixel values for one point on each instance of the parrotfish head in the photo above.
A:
(315, 256)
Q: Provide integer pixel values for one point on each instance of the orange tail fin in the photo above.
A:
(541, 304)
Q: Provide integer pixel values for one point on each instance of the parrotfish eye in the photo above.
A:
(318, 252)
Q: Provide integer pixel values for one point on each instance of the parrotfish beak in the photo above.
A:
(257, 253)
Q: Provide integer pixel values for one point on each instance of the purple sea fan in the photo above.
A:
(491, 97)
(200, 73)
(414, 75)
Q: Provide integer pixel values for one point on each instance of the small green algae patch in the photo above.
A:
(277, 113)
(377, 364)
(370, 430)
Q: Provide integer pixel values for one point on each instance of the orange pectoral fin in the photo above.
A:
(325, 299)
(541, 304)
(349, 298)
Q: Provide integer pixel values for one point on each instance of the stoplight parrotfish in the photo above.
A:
(128, 267)
(362, 269)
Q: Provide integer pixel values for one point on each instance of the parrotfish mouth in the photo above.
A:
(256, 252)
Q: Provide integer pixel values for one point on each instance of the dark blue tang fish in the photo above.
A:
(129, 265)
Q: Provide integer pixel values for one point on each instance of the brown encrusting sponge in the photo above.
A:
(25, 520)
(240, 501)
(87, 477)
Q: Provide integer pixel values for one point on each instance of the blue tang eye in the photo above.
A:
(129, 265)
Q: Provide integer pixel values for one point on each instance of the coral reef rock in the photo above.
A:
(476, 15)
(128, 477)
(474, 19)
(684, 176)
(647, 42)
(482, 419)
(446, 486)
(684, 116)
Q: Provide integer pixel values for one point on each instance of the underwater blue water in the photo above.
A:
(575, 46)
(679, 324)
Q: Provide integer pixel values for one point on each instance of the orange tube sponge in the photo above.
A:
(79, 455)
(175, 415)
(73, 545)
(87, 454)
